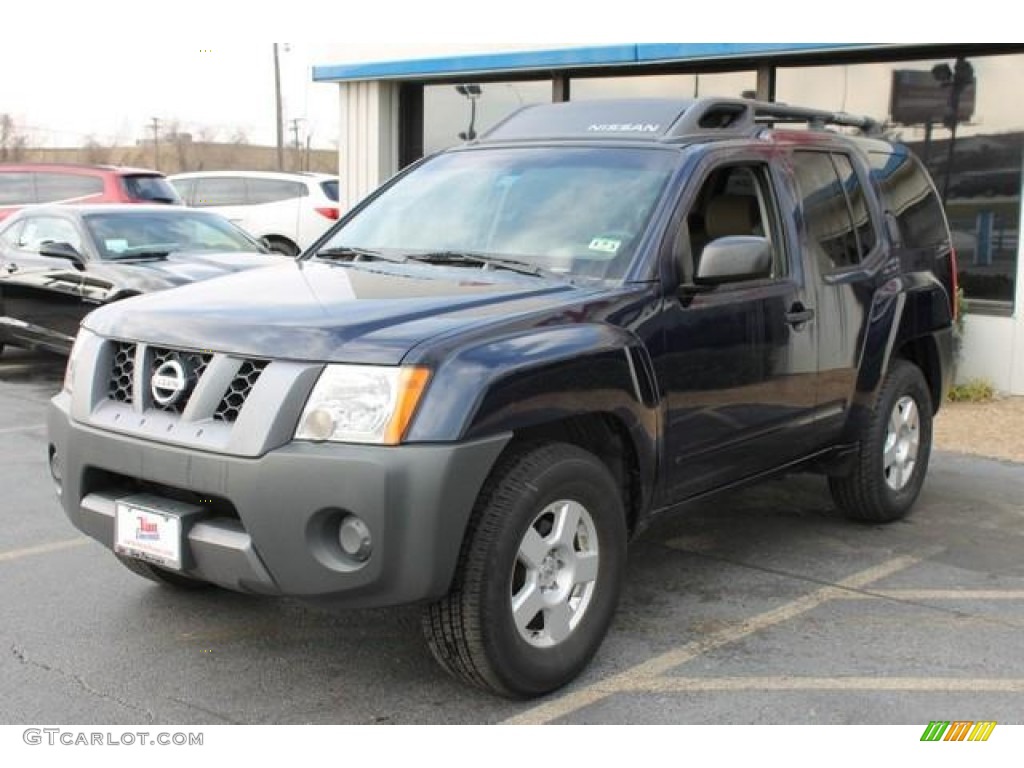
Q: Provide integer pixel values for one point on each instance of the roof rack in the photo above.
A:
(719, 116)
(771, 112)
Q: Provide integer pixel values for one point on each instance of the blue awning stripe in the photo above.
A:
(525, 61)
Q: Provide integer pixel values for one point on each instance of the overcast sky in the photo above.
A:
(70, 71)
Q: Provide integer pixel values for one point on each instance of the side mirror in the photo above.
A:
(734, 259)
(61, 250)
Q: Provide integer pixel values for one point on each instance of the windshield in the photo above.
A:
(134, 234)
(151, 189)
(574, 211)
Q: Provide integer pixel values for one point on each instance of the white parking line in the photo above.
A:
(41, 549)
(939, 594)
(951, 684)
(646, 672)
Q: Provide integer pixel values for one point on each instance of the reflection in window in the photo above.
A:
(839, 237)
(663, 86)
(450, 110)
(977, 171)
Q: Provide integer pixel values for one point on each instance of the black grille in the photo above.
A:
(194, 364)
(238, 392)
(122, 371)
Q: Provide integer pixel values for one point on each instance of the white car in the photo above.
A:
(286, 211)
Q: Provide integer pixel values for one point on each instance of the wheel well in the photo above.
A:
(923, 353)
(607, 438)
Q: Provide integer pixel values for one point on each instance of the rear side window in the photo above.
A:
(330, 189)
(17, 188)
(219, 190)
(911, 198)
(184, 188)
(274, 190)
(66, 187)
(835, 211)
(154, 189)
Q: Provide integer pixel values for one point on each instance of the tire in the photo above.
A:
(161, 575)
(281, 245)
(517, 548)
(884, 485)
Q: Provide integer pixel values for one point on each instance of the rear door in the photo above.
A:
(844, 251)
(739, 361)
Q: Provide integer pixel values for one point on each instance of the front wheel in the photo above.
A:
(895, 444)
(538, 577)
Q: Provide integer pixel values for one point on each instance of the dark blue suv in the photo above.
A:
(501, 365)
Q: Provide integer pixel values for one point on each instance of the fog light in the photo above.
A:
(56, 470)
(354, 537)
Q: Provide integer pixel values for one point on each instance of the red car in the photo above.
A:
(24, 184)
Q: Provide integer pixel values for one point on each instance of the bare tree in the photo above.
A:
(96, 153)
(12, 143)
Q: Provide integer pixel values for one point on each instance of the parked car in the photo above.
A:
(57, 263)
(286, 211)
(511, 358)
(24, 184)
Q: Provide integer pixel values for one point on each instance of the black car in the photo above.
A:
(58, 263)
(511, 358)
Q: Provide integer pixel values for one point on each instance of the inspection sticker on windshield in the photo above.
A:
(605, 244)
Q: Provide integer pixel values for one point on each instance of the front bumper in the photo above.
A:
(272, 528)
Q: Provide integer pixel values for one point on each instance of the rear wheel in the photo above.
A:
(538, 577)
(161, 575)
(895, 444)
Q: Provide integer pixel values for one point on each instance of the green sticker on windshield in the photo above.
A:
(605, 244)
(116, 245)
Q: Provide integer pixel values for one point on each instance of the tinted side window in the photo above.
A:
(17, 188)
(48, 229)
(855, 196)
(911, 198)
(184, 188)
(827, 219)
(330, 189)
(66, 187)
(219, 190)
(273, 190)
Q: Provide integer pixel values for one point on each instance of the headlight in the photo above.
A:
(362, 404)
(76, 351)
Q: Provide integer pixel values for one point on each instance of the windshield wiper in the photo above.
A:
(485, 260)
(351, 253)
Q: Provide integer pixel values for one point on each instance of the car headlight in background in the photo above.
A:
(76, 351)
(362, 404)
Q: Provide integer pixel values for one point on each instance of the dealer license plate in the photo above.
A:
(148, 534)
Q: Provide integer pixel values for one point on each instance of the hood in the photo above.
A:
(371, 313)
(177, 269)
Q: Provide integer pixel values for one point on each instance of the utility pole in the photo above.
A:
(156, 143)
(277, 103)
(297, 160)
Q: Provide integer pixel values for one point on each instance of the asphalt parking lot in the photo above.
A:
(763, 606)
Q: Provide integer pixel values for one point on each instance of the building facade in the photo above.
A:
(954, 105)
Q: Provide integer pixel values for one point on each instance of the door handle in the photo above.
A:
(798, 315)
(12, 268)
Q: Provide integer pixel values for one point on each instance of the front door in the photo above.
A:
(739, 363)
(41, 295)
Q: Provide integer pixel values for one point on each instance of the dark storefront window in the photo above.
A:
(451, 113)
(663, 86)
(977, 173)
